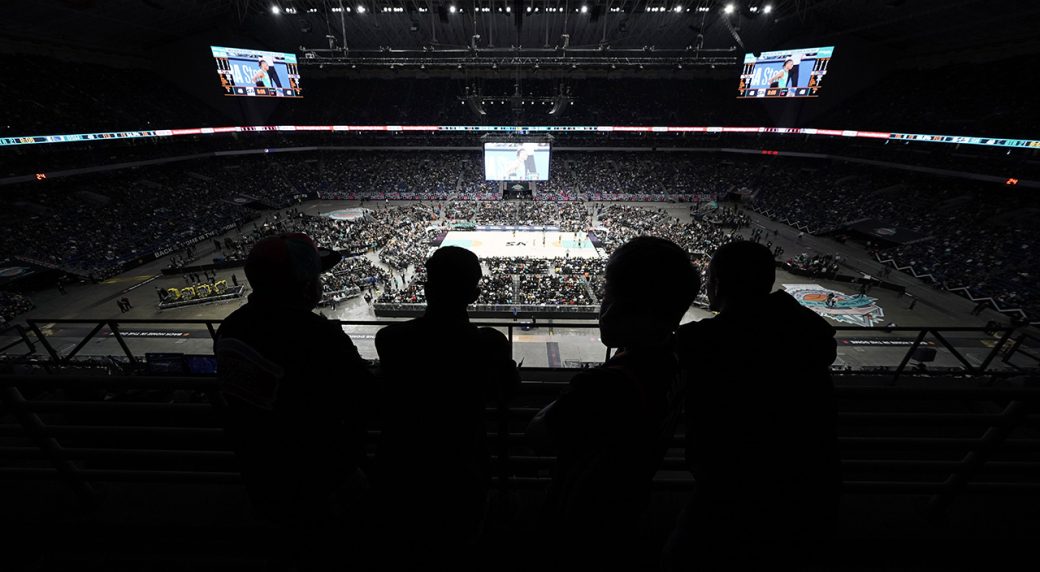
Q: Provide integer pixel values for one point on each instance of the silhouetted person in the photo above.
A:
(294, 387)
(432, 465)
(760, 420)
(612, 425)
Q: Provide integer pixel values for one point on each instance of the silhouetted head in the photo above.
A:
(740, 272)
(285, 268)
(452, 274)
(650, 283)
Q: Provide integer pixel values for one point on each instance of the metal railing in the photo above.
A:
(1007, 343)
(942, 454)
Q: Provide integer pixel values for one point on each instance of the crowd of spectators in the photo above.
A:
(623, 222)
(965, 234)
(99, 225)
(350, 277)
(11, 305)
(553, 290)
(580, 266)
(98, 228)
(516, 265)
(496, 289)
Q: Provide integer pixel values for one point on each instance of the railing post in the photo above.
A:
(967, 365)
(43, 341)
(112, 325)
(909, 352)
(974, 460)
(28, 342)
(84, 342)
(35, 429)
(22, 340)
(996, 350)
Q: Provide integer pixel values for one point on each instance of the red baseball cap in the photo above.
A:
(277, 260)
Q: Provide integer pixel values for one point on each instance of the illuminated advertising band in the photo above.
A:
(521, 130)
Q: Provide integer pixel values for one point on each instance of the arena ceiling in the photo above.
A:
(932, 31)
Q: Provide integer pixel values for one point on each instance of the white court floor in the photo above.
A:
(531, 244)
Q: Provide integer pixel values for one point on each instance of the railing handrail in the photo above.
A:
(210, 382)
(960, 474)
(1005, 348)
(502, 324)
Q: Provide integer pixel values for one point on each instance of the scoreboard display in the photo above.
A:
(784, 73)
(255, 73)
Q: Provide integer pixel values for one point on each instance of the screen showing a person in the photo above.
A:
(784, 73)
(257, 73)
(516, 161)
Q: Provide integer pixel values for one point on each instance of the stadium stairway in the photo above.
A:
(132, 473)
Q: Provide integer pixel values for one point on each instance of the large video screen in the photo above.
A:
(256, 73)
(785, 73)
(516, 161)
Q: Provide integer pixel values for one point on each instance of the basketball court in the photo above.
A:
(529, 244)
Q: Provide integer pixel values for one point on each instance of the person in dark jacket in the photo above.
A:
(295, 389)
(433, 465)
(612, 425)
(760, 418)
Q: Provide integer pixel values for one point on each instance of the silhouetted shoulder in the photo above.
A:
(392, 333)
(390, 341)
(494, 342)
(695, 338)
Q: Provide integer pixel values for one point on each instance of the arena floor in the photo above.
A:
(554, 343)
(530, 244)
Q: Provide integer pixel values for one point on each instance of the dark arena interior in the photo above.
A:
(519, 285)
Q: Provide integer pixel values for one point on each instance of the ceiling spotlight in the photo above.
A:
(360, 9)
(729, 8)
(276, 10)
(677, 8)
(767, 8)
(584, 8)
(452, 9)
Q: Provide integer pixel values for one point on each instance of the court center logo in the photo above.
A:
(855, 309)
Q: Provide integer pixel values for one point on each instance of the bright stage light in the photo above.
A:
(729, 8)
(584, 8)
(276, 10)
(452, 8)
(767, 8)
(360, 9)
(677, 9)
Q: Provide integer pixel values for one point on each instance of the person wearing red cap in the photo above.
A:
(294, 386)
